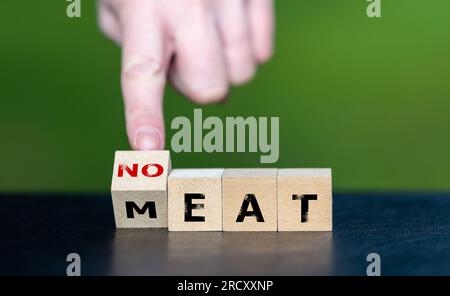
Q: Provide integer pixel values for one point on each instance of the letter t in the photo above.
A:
(305, 198)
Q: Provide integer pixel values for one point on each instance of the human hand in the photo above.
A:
(202, 46)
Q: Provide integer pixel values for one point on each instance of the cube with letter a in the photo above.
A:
(139, 188)
(249, 199)
(304, 200)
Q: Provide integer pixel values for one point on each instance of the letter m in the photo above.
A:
(149, 206)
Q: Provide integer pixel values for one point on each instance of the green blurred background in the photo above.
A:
(369, 98)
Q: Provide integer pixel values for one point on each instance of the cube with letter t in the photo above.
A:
(139, 188)
(304, 200)
(195, 200)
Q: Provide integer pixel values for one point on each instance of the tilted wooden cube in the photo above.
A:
(195, 200)
(249, 199)
(304, 200)
(139, 188)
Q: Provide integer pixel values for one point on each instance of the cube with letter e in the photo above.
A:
(139, 188)
(195, 200)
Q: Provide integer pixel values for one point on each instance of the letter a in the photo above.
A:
(74, 8)
(74, 268)
(374, 268)
(374, 8)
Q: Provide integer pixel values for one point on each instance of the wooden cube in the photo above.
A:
(249, 199)
(195, 200)
(139, 188)
(304, 200)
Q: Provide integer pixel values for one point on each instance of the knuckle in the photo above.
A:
(200, 9)
(142, 67)
(238, 39)
(199, 3)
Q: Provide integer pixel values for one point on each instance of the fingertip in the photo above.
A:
(242, 75)
(264, 54)
(147, 138)
(262, 23)
(209, 94)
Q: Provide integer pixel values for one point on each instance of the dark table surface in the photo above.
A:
(411, 233)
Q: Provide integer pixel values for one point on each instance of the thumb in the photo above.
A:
(143, 78)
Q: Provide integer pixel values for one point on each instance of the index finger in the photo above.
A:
(144, 66)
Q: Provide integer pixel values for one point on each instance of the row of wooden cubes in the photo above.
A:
(147, 193)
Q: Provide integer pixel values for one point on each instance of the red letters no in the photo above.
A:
(133, 172)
